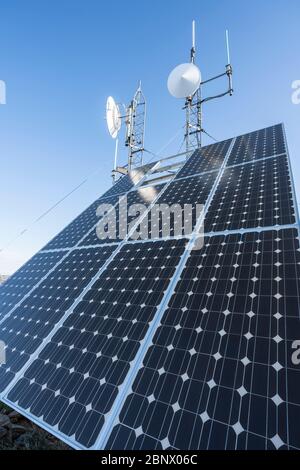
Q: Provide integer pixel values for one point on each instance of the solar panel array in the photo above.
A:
(130, 344)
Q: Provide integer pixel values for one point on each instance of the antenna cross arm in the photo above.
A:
(213, 78)
(229, 92)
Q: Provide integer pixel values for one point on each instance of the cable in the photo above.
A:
(210, 136)
(60, 201)
(170, 141)
(181, 145)
(48, 211)
(54, 206)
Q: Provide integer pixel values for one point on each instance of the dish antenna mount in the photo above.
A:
(185, 81)
(134, 119)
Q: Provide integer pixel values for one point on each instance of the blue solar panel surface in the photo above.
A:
(123, 344)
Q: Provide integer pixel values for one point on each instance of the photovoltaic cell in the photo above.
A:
(18, 285)
(256, 145)
(219, 374)
(74, 382)
(34, 319)
(258, 194)
(205, 159)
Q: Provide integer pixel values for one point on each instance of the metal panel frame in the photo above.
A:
(296, 207)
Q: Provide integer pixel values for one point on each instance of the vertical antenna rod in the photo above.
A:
(228, 66)
(115, 160)
(193, 50)
(227, 47)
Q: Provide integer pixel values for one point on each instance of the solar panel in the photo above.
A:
(151, 345)
(254, 195)
(206, 159)
(257, 145)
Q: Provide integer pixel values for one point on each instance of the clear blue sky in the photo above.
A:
(61, 58)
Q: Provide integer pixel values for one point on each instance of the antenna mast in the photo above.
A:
(193, 108)
(135, 129)
(134, 118)
(183, 78)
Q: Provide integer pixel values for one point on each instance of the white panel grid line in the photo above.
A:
(256, 160)
(231, 166)
(55, 250)
(208, 234)
(197, 174)
(88, 247)
(296, 209)
(268, 228)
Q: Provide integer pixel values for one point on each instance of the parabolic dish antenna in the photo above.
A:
(113, 117)
(184, 80)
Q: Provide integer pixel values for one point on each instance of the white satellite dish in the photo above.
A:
(113, 117)
(184, 80)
